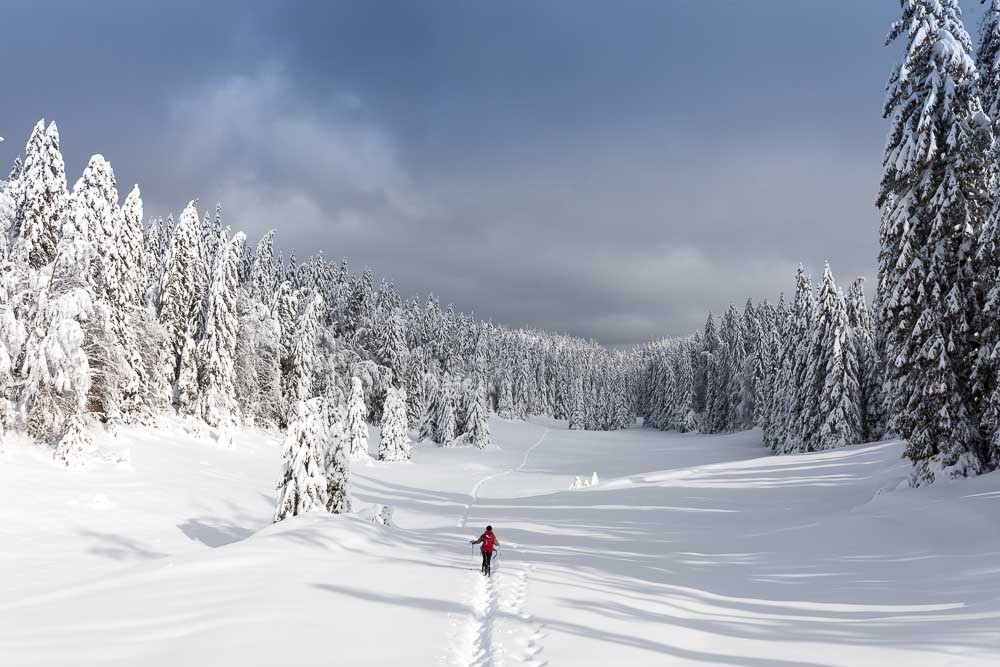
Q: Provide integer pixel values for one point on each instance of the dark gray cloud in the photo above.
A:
(608, 169)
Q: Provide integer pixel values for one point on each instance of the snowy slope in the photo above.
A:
(691, 550)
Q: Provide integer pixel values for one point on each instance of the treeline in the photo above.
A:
(923, 363)
(807, 375)
(107, 316)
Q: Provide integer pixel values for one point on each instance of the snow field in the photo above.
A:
(692, 550)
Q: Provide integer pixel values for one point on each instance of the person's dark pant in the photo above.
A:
(487, 556)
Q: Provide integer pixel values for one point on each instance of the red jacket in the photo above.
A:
(488, 539)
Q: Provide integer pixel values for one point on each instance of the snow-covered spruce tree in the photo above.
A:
(862, 331)
(179, 292)
(577, 410)
(505, 393)
(839, 404)
(94, 202)
(338, 471)
(395, 442)
(988, 61)
(56, 371)
(187, 380)
(218, 400)
(8, 214)
(734, 355)
(752, 367)
(934, 196)
(416, 390)
(285, 310)
(13, 334)
(986, 389)
(683, 417)
(447, 422)
(523, 388)
(795, 385)
(621, 417)
(263, 279)
(42, 198)
(391, 340)
(257, 371)
(303, 477)
(714, 418)
(303, 360)
(820, 362)
(155, 246)
(357, 428)
(770, 396)
(124, 291)
(477, 416)
(428, 425)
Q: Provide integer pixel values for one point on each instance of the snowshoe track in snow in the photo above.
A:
(517, 623)
(499, 631)
(498, 626)
(478, 485)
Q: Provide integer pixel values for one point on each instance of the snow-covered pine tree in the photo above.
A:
(577, 411)
(621, 417)
(218, 400)
(186, 387)
(796, 384)
(361, 306)
(523, 387)
(734, 355)
(988, 61)
(859, 318)
(357, 428)
(684, 418)
(505, 393)
(416, 369)
(823, 339)
(263, 280)
(934, 198)
(391, 338)
(179, 292)
(716, 385)
(303, 359)
(429, 421)
(751, 369)
(128, 265)
(338, 471)
(125, 286)
(55, 369)
(8, 214)
(477, 416)
(303, 477)
(95, 200)
(42, 198)
(395, 442)
(155, 249)
(986, 388)
(771, 392)
(447, 421)
(839, 403)
(285, 311)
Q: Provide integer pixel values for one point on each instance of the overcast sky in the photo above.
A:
(609, 169)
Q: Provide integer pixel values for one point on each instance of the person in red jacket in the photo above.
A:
(489, 542)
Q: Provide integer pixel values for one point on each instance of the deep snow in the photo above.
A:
(690, 550)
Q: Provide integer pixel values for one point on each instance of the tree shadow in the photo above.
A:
(213, 532)
(118, 547)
